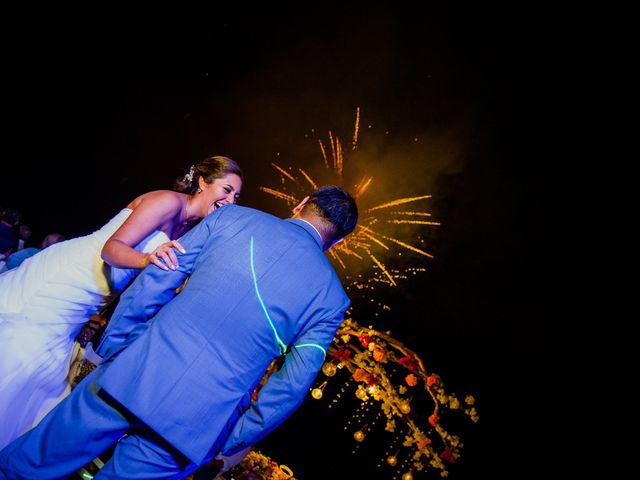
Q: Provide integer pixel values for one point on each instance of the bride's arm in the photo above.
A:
(153, 211)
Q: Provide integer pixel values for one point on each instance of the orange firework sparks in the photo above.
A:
(405, 245)
(324, 154)
(283, 172)
(374, 238)
(413, 222)
(356, 128)
(308, 178)
(421, 214)
(399, 201)
(371, 242)
(281, 195)
(384, 270)
(360, 189)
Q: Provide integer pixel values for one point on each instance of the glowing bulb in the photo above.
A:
(361, 393)
(329, 369)
(405, 407)
(407, 476)
(392, 460)
(316, 393)
(359, 436)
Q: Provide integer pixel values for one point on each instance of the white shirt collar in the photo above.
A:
(312, 226)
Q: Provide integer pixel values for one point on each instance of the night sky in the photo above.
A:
(510, 116)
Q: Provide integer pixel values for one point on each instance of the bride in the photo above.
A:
(46, 300)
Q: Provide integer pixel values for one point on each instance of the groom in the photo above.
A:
(259, 287)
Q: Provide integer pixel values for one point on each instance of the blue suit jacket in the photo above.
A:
(258, 285)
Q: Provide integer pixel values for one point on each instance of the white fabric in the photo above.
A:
(90, 355)
(43, 305)
(231, 461)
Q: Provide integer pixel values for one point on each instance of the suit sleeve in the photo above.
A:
(151, 290)
(285, 389)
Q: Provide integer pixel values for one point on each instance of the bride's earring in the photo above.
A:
(199, 190)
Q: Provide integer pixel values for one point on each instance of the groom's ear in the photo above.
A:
(299, 207)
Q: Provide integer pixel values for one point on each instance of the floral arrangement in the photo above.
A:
(255, 466)
(391, 375)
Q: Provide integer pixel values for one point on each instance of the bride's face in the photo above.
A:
(220, 192)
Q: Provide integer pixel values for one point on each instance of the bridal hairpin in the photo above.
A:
(189, 176)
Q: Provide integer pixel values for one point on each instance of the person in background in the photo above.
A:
(9, 221)
(24, 234)
(16, 258)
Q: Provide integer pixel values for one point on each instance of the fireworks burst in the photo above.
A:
(385, 248)
(365, 255)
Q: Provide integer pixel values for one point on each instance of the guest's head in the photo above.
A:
(24, 232)
(11, 216)
(332, 210)
(51, 239)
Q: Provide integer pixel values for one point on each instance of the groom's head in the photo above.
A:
(332, 211)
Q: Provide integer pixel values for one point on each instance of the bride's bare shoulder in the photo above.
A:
(165, 199)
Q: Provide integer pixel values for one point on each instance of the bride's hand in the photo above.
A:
(164, 256)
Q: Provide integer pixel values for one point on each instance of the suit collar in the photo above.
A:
(311, 230)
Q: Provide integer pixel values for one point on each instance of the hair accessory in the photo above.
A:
(189, 176)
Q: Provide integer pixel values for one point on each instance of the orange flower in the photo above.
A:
(411, 380)
(431, 379)
(423, 443)
(364, 340)
(379, 355)
(433, 420)
(359, 375)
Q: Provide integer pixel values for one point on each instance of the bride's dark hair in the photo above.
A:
(212, 167)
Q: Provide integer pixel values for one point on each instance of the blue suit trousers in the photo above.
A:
(83, 426)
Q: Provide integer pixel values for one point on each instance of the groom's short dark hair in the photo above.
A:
(337, 207)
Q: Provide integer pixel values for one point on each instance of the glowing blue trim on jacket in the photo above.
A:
(281, 345)
(324, 352)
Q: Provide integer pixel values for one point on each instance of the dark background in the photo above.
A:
(511, 116)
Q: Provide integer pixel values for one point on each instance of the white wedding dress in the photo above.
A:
(43, 305)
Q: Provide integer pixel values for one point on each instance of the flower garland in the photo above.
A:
(393, 375)
(255, 466)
